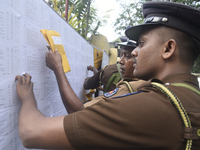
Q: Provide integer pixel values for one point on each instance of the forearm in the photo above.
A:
(92, 68)
(92, 82)
(95, 70)
(29, 118)
(71, 102)
(36, 130)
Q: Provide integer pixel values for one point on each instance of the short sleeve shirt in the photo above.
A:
(145, 119)
(121, 89)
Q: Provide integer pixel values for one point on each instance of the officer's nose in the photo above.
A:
(134, 53)
(121, 60)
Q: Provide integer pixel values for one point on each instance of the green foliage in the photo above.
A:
(131, 14)
(78, 15)
(60, 6)
(74, 22)
(81, 16)
(196, 66)
(72, 18)
(193, 3)
(86, 15)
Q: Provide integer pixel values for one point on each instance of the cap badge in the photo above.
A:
(148, 20)
(164, 19)
(156, 19)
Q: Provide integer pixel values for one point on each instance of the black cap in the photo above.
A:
(128, 43)
(123, 38)
(175, 15)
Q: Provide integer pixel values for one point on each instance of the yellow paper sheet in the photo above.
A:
(54, 40)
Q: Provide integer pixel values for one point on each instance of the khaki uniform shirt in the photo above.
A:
(121, 89)
(139, 120)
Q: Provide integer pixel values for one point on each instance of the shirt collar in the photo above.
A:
(178, 78)
(182, 78)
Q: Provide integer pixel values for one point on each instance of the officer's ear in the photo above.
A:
(169, 49)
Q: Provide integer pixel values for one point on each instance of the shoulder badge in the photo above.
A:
(111, 93)
(124, 95)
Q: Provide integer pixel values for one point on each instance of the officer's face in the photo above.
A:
(126, 61)
(148, 55)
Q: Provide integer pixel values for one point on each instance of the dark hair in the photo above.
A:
(188, 46)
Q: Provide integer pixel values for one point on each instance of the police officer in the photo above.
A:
(163, 114)
(110, 75)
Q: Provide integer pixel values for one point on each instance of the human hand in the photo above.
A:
(92, 69)
(24, 87)
(100, 88)
(54, 60)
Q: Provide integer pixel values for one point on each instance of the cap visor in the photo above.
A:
(125, 44)
(135, 31)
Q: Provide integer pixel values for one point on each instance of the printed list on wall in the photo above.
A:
(22, 50)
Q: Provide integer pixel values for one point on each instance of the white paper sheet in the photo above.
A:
(22, 49)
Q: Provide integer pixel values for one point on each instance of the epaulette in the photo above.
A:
(191, 133)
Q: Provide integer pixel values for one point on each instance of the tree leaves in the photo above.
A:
(130, 14)
(80, 15)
